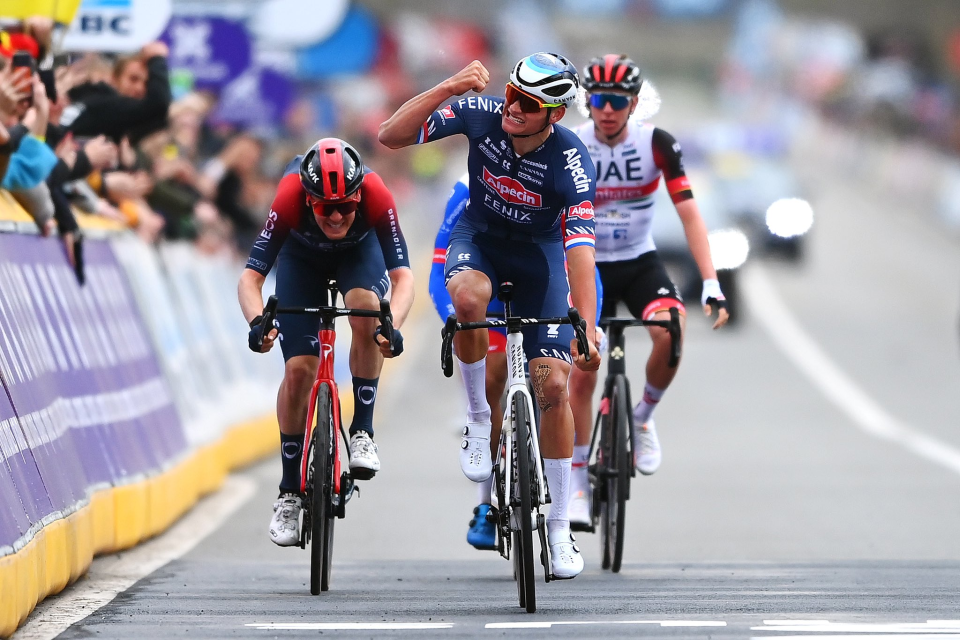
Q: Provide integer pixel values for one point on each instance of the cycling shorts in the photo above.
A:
(444, 307)
(539, 283)
(642, 283)
(302, 276)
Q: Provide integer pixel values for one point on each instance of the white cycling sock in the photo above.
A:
(644, 408)
(475, 382)
(557, 473)
(483, 490)
(578, 474)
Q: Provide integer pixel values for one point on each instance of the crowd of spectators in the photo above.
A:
(888, 81)
(103, 136)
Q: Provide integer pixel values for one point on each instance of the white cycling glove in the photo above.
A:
(711, 290)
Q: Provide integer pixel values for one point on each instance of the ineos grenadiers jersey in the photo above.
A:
(628, 175)
(543, 196)
(291, 217)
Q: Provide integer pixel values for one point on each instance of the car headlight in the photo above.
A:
(729, 248)
(789, 217)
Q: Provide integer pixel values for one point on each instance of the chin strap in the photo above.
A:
(544, 128)
(614, 136)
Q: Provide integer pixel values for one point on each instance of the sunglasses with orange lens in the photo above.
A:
(528, 103)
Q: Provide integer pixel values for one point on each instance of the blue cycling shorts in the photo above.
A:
(302, 275)
(539, 280)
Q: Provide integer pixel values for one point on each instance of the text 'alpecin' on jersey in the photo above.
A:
(545, 195)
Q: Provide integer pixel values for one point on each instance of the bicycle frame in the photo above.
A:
(327, 338)
(518, 385)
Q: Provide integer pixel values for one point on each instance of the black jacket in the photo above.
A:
(97, 108)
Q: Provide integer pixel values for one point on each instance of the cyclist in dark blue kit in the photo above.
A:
(332, 217)
(481, 533)
(531, 202)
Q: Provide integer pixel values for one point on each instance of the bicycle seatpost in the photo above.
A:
(504, 295)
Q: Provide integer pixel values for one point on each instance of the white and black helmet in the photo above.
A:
(548, 76)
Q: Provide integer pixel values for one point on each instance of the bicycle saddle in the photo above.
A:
(506, 290)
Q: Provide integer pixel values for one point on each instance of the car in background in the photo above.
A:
(729, 245)
(764, 197)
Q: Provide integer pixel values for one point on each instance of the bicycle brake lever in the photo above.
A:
(446, 347)
(580, 329)
(675, 345)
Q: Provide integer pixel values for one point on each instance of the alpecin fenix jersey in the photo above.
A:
(628, 175)
(545, 195)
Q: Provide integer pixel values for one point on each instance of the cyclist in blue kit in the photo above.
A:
(481, 533)
(531, 202)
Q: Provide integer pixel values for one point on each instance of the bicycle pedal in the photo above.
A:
(362, 474)
(581, 526)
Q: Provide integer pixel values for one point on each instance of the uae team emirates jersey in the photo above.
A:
(628, 175)
(545, 195)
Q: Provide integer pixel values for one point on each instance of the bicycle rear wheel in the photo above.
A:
(524, 537)
(618, 480)
(321, 504)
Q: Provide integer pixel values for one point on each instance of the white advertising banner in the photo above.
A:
(117, 25)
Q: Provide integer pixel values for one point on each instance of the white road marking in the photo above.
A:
(864, 636)
(547, 625)
(350, 626)
(111, 575)
(929, 627)
(767, 308)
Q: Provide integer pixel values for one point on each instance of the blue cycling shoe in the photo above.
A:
(482, 533)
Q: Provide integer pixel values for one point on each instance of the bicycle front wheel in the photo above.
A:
(618, 487)
(523, 476)
(321, 504)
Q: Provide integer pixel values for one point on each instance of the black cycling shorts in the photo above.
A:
(642, 283)
(302, 275)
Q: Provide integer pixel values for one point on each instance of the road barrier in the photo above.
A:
(122, 402)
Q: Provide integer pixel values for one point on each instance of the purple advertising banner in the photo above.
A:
(209, 51)
(14, 521)
(83, 379)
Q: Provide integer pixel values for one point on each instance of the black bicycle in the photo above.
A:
(326, 488)
(613, 467)
(517, 467)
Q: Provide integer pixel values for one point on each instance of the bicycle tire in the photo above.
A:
(525, 580)
(601, 490)
(321, 467)
(620, 480)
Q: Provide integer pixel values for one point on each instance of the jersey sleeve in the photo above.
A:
(669, 159)
(283, 217)
(383, 218)
(577, 185)
(469, 116)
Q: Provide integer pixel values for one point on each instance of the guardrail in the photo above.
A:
(118, 408)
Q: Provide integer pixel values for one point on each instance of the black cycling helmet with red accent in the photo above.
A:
(332, 171)
(612, 72)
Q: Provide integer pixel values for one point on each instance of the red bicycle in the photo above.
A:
(325, 487)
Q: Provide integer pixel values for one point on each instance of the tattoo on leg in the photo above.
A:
(539, 377)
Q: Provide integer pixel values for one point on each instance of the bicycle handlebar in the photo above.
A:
(271, 310)
(452, 326)
(672, 326)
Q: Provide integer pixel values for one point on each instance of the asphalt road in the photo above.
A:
(774, 502)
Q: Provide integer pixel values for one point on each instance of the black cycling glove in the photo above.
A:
(396, 344)
(255, 337)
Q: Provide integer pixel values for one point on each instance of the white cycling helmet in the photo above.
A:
(547, 76)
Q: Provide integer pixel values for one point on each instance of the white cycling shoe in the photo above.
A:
(475, 459)
(565, 559)
(364, 462)
(285, 523)
(647, 455)
(578, 510)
